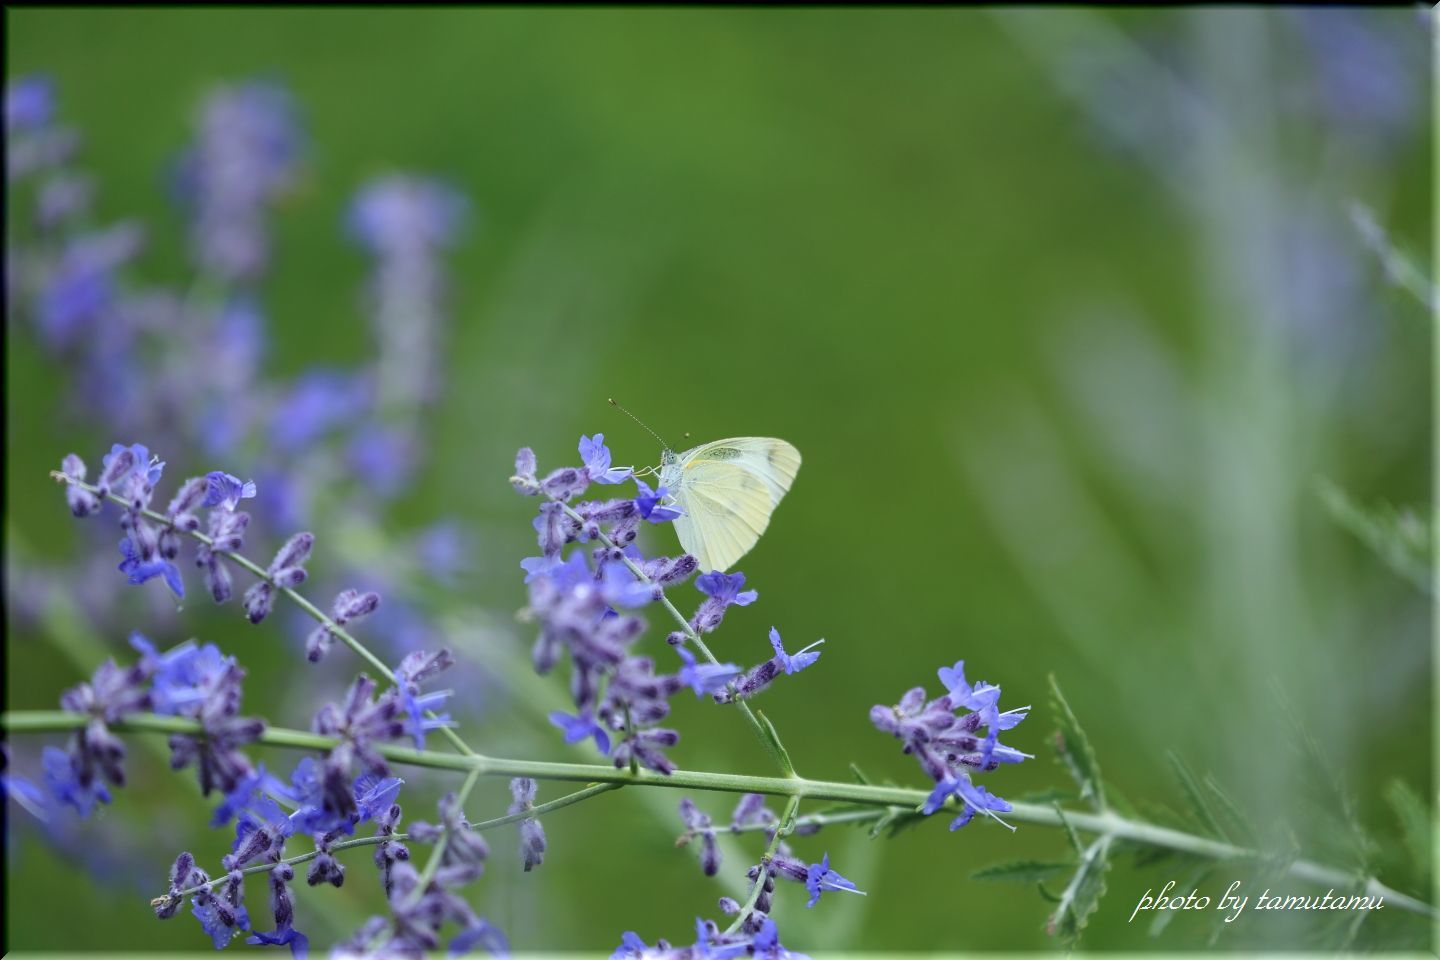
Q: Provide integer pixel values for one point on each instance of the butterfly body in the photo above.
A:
(727, 489)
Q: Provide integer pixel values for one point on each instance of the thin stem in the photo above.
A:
(1107, 824)
(782, 830)
(376, 664)
(693, 635)
(379, 838)
(437, 852)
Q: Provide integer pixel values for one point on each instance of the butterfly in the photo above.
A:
(727, 490)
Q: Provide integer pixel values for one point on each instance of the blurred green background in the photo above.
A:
(1062, 406)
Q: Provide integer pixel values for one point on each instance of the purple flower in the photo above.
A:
(819, 878)
(596, 457)
(260, 831)
(320, 400)
(949, 746)
(67, 785)
(216, 753)
(650, 504)
(140, 569)
(793, 663)
(706, 678)
(578, 728)
(698, 824)
(225, 490)
(82, 502)
(29, 102)
(396, 215)
(722, 591)
(532, 834)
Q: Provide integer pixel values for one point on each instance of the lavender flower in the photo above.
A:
(141, 563)
(95, 756)
(244, 156)
(286, 571)
(722, 591)
(282, 907)
(227, 535)
(698, 824)
(532, 834)
(948, 745)
(597, 461)
(29, 103)
(216, 753)
(651, 504)
(819, 878)
(359, 721)
(416, 667)
(706, 678)
(82, 502)
(582, 727)
(349, 605)
(224, 490)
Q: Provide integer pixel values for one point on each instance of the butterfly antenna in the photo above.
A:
(642, 423)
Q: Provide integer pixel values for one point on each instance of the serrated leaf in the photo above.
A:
(1229, 813)
(1401, 538)
(1069, 830)
(895, 820)
(1082, 896)
(772, 739)
(1195, 797)
(1023, 871)
(1163, 917)
(1416, 832)
(1073, 749)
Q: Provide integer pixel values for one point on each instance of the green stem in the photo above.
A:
(1106, 824)
(782, 830)
(777, 752)
(295, 596)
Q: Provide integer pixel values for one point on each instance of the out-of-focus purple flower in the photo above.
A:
(596, 457)
(396, 215)
(443, 550)
(319, 401)
(29, 103)
(651, 505)
(67, 786)
(383, 459)
(63, 198)
(80, 290)
(582, 727)
(244, 156)
(224, 490)
(216, 753)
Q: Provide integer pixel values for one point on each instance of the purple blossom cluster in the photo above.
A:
(582, 603)
(949, 745)
(129, 346)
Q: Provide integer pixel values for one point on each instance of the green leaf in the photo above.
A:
(859, 774)
(1082, 895)
(1163, 917)
(1195, 797)
(1046, 894)
(895, 820)
(1069, 830)
(1073, 749)
(772, 739)
(1416, 832)
(1401, 537)
(1228, 812)
(1023, 871)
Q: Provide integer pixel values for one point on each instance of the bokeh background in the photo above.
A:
(1085, 325)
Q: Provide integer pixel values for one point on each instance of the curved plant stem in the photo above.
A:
(536, 811)
(782, 830)
(1108, 824)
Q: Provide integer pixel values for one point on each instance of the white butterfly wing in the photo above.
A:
(728, 490)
